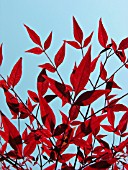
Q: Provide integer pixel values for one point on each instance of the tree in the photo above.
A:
(44, 142)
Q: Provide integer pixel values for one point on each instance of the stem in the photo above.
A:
(41, 165)
(76, 156)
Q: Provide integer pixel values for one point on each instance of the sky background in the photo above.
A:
(46, 16)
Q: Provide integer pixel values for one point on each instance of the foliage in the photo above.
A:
(44, 142)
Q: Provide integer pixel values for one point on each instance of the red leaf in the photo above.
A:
(16, 73)
(48, 41)
(82, 73)
(1, 54)
(111, 117)
(103, 72)
(60, 129)
(14, 136)
(29, 148)
(108, 128)
(42, 83)
(93, 63)
(89, 97)
(33, 96)
(123, 44)
(114, 46)
(78, 33)
(74, 44)
(100, 165)
(119, 107)
(64, 118)
(50, 167)
(47, 114)
(88, 40)
(59, 57)
(12, 103)
(102, 34)
(3, 148)
(73, 112)
(35, 50)
(33, 35)
(48, 67)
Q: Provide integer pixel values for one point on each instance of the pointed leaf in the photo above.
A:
(59, 57)
(77, 31)
(93, 63)
(14, 136)
(89, 97)
(48, 41)
(16, 73)
(35, 50)
(48, 67)
(102, 34)
(123, 44)
(74, 44)
(82, 73)
(33, 35)
(1, 54)
(33, 96)
(29, 148)
(88, 40)
(100, 165)
(103, 72)
(60, 129)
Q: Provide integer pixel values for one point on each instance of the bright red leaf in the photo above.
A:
(123, 44)
(88, 40)
(48, 67)
(36, 50)
(102, 34)
(48, 41)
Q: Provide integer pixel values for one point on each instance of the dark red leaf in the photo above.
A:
(1, 54)
(102, 34)
(82, 73)
(89, 97)
(36, 50)
(59, 57)
(16, 73)
(103, 72)
(73, 112)
(33, 35)
(114, 46)
(48, 67)
(33, 96)
(100, 165)
(66, 157)
(47, 114)
(93, 63)
(49, 98)
(88, 40)
(74, 44)
(78, 33)
(48, 41)
(29, 148)
(123, 44)
(60, 129)
(42, 83)
(14, 136)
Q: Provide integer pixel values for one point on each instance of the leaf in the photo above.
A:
(102, 34)
(33, 96)
(47, 114)
(33, 35)
(78, 33)
(123, 44)
(1, 54)
(74, 44)
(111, 117)
(60, 129)
(59, 57)
(48, 67)
(93, 63)
(29, 148)
(16, 73)
(12, 103)
(88, 40)
(100, 165)
(89, 97)
(73, 112)
(35, 50)
(114, 46)
(42, 83)
(49, 98)
(66, 157)
(15, 139)
(108, 128)
(48, 41)
(82, 73)
(103, 72)
(50, 167)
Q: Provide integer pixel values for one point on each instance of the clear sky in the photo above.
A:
(54, 15)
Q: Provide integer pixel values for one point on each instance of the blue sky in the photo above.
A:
(45, 16)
